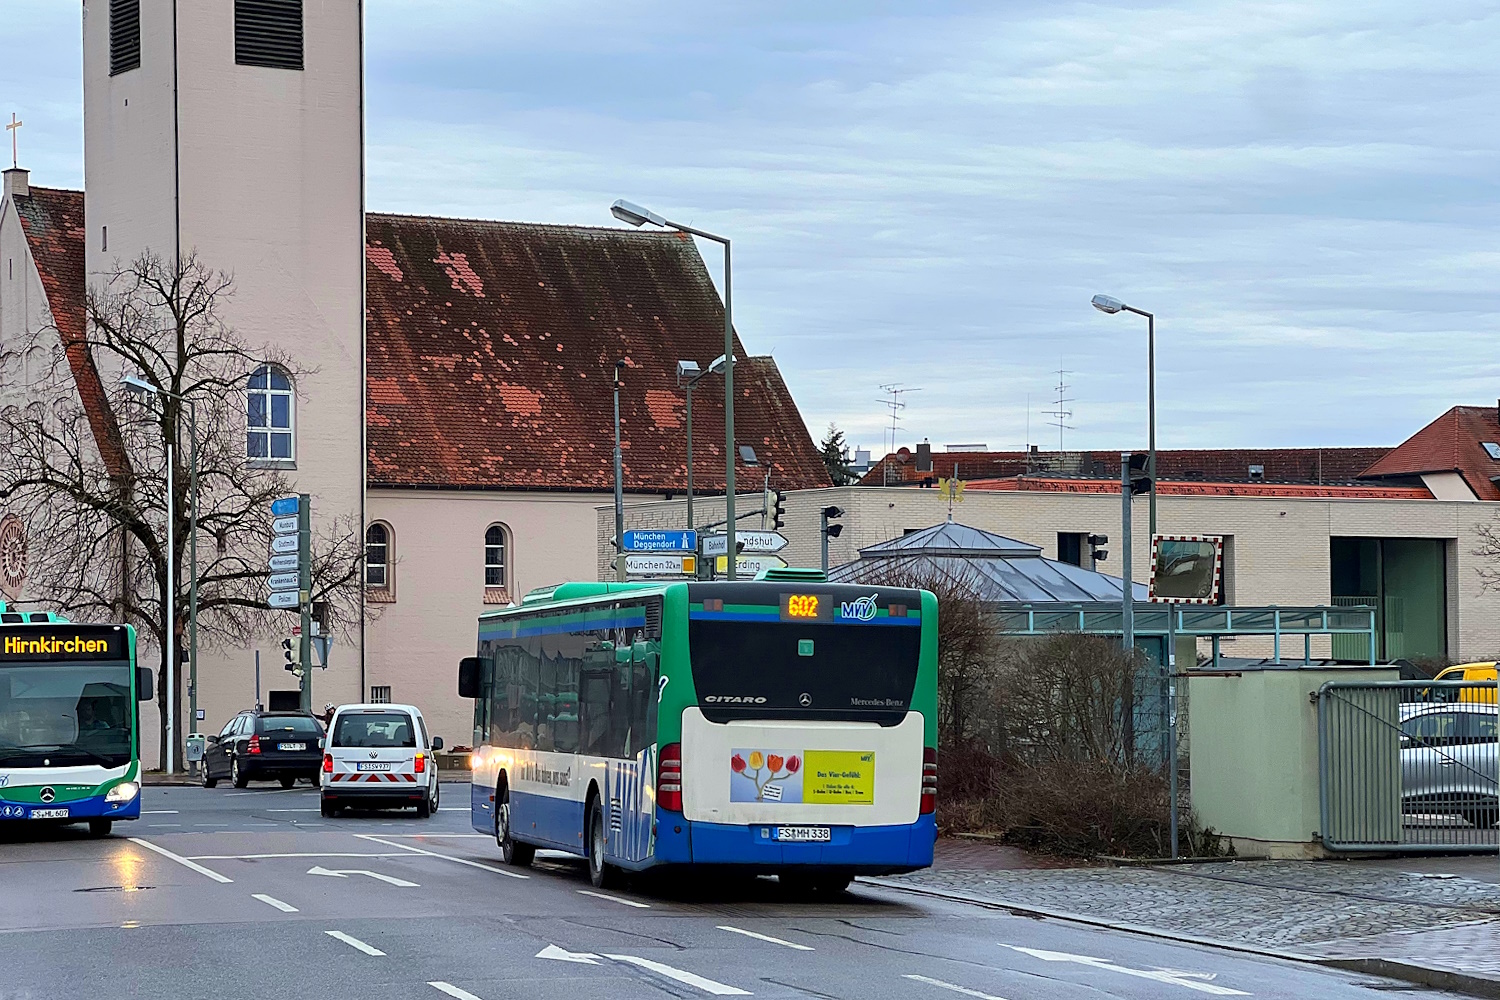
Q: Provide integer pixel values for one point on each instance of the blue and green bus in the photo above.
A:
(780, 726)
(69, 721)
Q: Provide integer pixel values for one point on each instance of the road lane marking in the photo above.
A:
(445, 857)
(273, 901)
(181, 860)
(686, 978)
(355, 943)
(158, 812)
(308, 854)
(390, 879)
(453, 991)
(557, 954)
(956, 989)
(290, 810)
(614, 899)
(1187, 980)
(155, 826)
(766, 937)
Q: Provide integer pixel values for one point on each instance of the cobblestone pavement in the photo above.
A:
(1324, 909)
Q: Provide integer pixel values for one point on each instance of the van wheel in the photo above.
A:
(601, 874)
(424, 808)
(514, 853)
(328, 809)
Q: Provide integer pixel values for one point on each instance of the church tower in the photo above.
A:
(233, 129)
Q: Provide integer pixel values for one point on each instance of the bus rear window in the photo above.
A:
(375, 730)
(782, 670)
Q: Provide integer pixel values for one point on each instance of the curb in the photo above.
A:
(1459, 982)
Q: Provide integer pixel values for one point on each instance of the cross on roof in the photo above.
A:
(14, 129)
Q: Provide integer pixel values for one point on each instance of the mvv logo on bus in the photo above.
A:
(861, 609)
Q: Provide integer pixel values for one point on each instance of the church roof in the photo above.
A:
(491, 348)
(52, 219)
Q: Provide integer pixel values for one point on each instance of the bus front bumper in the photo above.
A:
(78, 810)
(862, 850)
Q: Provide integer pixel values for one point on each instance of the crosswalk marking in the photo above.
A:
(956, 989)
(452, 991)
(355, 943)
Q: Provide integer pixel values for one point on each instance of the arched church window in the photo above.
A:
(494, 556)
(269, 415)
(378, 556)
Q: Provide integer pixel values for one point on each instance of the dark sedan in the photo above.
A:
(265, 746)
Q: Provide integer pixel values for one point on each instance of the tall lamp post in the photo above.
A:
(141, 387)
(1106, 304)
(619, 482)
(635, 215)
(689, 375)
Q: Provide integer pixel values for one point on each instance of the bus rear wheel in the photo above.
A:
(100, 827)
(514, 853)
(601, 873)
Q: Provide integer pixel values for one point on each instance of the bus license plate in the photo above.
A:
(291, 746)
(367, 766)
(804, 834)
(49, 814)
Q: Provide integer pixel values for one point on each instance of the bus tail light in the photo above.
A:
(669, 778)
(328, 763)
(254, 744)
(421, 763)
(929, 780)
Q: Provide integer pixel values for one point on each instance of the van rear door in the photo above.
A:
(373, 747)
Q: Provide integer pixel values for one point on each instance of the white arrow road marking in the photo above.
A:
(355, 943)
(956, 989)
(614, 899)
(435, 854)
(273, 901)
(393, 880)
(180, 860)
(555, 953)
(453, 991)
(1187, 980)
(687, 978)
(765, 937)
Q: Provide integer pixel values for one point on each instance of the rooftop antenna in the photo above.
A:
(893, 402)
(1062, 414)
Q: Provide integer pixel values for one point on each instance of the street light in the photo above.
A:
(141, 387)
(689, 375)
(619, 482)
(1110, 305)
(635, 215)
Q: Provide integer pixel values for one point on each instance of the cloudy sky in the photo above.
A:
(1308, 194)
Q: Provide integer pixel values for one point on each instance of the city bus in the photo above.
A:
(781, 726)
(69, 721)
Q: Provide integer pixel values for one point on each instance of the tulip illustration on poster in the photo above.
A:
(788, 776)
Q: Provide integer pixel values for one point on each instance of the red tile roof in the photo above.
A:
(491, 347)
(52, 219)
(1453, 442)
(1304, 465)
(1342, 491)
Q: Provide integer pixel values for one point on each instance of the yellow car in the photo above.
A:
(1484, 671)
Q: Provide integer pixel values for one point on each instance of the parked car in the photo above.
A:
(380, 756)
(1449, 760)
(1484, 671)
(264, 746)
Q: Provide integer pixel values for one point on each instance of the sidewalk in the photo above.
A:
(1434, 921)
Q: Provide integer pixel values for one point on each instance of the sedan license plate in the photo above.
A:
(291, 746)
(377, 766)
(804, 834)
(49, 814)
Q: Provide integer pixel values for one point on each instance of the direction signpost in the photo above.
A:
(665, 564)
(290, 579)
(749, 565)
(661, 541)
(658, 553)
(747, 540)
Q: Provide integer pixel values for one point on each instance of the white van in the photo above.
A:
(379, 757)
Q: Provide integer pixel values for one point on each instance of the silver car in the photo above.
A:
(1449, 760)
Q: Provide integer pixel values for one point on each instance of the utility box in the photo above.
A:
(1254, 740)
(193, 748)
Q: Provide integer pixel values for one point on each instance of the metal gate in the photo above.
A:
(1408, 765)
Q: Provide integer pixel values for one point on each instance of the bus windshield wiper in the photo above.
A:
(54, 749)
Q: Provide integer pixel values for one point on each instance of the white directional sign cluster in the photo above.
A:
(751, 540)
(284, 563)
(661, 564)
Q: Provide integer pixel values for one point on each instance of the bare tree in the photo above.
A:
(1488, 548)
(85, 467)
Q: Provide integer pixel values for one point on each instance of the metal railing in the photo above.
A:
(1408, 765)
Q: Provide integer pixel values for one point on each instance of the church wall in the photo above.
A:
(437, 544)
(23, 311)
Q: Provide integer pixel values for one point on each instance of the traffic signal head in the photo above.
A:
(1140, 482)
(779, 510)
(288, 655)
(833, 512)
(835, 530)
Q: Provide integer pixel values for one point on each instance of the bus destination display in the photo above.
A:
(806, 608)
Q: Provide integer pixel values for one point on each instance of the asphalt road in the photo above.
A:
(226, 894)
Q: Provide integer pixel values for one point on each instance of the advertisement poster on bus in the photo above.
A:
(842, 777)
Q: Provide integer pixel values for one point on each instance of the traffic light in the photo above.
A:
(1097, 551)
(1140, 482)
(830, 514)
(779, 512)
(288, 654)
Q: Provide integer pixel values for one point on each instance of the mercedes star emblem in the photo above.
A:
(48, 794)
(804, 699)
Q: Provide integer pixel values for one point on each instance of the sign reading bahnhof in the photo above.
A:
(62, 642)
